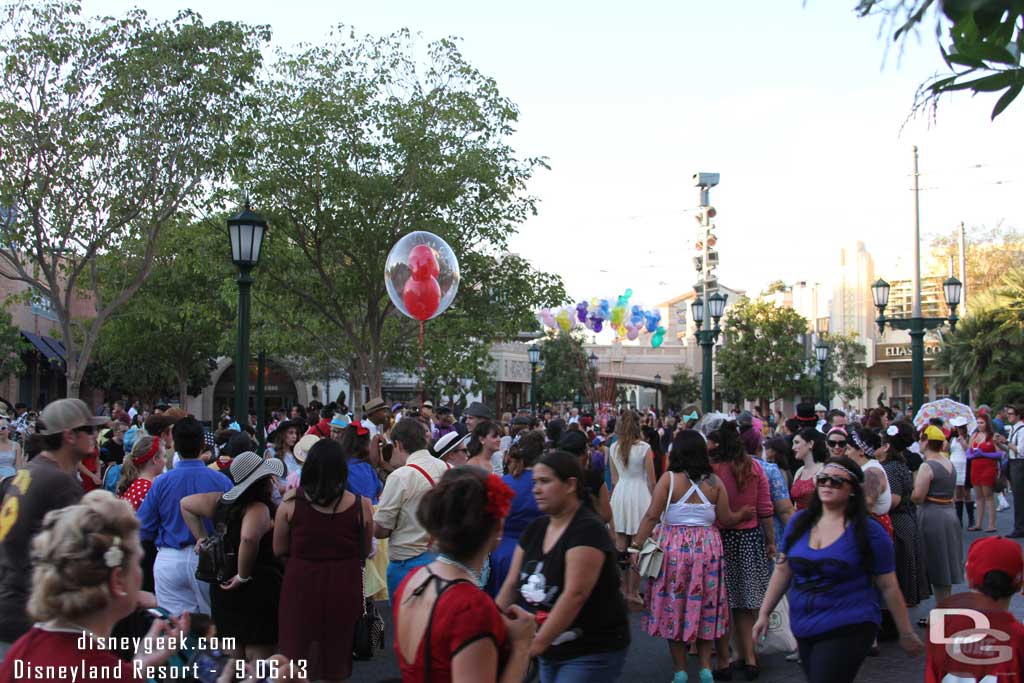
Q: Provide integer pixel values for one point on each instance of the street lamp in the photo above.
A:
(917, 326)
(593, 379)
(657, 392)
(707, 335)
(247, 231)
(534, 354)
(821, 353)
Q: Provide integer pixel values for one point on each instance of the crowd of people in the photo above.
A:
(505, 547)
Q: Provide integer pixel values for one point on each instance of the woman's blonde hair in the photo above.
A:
(129, 470)
(70, 558)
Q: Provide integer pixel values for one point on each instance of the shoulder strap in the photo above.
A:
(671, 487)
(364, 551)
(423, 472)
(442, 586)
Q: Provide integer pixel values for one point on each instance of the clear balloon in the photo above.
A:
(421, 275)
(632, 332)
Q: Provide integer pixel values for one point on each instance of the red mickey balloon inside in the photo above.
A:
(422, 294)
(423, 263)
(421, 297)
(422, 275)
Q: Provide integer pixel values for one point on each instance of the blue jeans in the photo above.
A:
(600, 668)
(399, 569)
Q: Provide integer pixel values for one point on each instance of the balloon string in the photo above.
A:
(422, 366)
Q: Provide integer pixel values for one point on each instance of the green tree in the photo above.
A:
(980, 40)
(13, 346)
(166, 337)
(983, 354)
(565, 371)
(356, 143)
(761, 357)
(846, 368)
(684, 388)
(111, 128)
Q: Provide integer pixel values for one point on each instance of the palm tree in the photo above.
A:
(984, 352)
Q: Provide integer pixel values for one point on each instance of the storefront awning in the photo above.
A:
(51, 348)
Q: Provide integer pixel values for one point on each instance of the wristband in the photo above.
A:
(247, 579)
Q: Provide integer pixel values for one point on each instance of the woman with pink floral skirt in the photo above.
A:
(688, 602)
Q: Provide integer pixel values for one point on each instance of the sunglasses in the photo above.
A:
(87, 429)
(831, 482)
(837, 444)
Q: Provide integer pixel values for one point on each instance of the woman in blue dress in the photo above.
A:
(521, 459)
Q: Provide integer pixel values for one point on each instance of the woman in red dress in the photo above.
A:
(983, 461)
(446, 627)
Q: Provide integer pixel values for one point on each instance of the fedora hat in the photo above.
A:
(477, 409)
(373, 405)
(447, 443)
(247, 469)
(805, 413)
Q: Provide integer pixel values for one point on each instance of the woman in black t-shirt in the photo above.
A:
(564, 571)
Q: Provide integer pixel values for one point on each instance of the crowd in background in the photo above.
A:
(502, 544)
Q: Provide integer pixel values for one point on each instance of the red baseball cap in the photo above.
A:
(994, 553)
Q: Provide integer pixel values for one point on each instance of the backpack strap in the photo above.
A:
(424, 473)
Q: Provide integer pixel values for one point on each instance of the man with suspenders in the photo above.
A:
(1013, 443)
(417, 472)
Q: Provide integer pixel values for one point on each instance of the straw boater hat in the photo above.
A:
(301, 449)
(247, 469)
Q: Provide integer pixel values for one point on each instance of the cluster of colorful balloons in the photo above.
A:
(628, 322)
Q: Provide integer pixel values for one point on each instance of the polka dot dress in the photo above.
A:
(137, 491)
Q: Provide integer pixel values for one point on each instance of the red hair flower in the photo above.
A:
(499, 497)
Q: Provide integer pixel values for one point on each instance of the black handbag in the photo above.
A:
(218, 559)
(369, 634)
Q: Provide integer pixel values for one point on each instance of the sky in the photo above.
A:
(803, 109)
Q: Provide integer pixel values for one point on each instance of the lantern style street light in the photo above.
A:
(821, 353)
(534, 354)
(917, 326)
(707, 335)
(247, 231)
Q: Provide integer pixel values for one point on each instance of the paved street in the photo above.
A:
(649, 659)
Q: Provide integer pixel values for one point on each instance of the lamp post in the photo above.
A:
(534, 354)
(917, 326)
(657, 393)
(247, 231)
(821, 353)
(707, 335)
(593, 380)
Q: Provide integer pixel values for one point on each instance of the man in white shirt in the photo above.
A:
(1014, 445)
(375, 414)
(395, 518)
(574, 416)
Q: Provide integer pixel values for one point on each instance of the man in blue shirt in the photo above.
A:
(177, 588)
